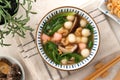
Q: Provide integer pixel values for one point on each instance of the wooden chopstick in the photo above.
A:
(117, 76)
(104, 68)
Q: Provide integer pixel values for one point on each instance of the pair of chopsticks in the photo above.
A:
(117, 76)
(104, 68)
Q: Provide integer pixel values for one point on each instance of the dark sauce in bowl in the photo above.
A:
(9, 71)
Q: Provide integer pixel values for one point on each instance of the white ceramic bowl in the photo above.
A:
(14, 61)
(102, 7)
(81, 13)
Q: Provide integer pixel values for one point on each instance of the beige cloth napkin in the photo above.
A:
(41, 71)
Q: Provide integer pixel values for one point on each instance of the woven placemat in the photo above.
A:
(41, 71)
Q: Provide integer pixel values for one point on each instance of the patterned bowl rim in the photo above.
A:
(36, 39)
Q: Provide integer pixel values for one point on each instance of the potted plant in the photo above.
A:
(13, 24)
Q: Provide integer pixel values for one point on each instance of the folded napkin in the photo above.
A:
(80, 75)
(42, 71)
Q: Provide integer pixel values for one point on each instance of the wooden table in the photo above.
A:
(12, 50)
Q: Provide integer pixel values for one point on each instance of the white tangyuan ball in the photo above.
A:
(83, 22)
(84, 39)
(86, 32)
(78, 39)
(68, 25)
(85, 52)
(71, 38)
(70, 17)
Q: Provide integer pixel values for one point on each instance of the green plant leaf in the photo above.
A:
(14, 25)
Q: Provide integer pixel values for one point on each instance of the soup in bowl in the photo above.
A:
(67, 38)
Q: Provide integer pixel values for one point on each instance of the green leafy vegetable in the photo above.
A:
(90, 44)
(68, 56)
(52, 52)
(88, 26)
(55, 23)
(64, 14)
